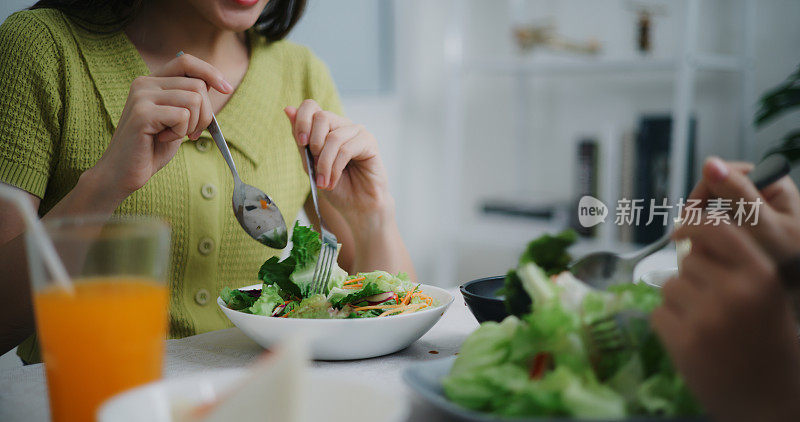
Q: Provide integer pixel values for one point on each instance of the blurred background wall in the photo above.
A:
(390, 61)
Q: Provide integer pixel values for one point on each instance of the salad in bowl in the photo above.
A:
(286, 292)
(357, 316)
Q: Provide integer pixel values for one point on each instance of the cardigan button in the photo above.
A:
(206, 246)
(201, 297)
(208, 191)
(202, 145)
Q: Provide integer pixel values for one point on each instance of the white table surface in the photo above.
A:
(23, 392)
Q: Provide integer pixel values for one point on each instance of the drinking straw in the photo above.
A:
(36, 229)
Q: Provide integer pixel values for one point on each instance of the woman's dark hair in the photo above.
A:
(275, 22)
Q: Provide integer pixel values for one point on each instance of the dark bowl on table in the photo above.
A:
(483, 298)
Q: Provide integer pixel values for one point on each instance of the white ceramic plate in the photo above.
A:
(343, 339)
(162, 401)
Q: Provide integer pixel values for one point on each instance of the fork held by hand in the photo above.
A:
(602, 269)
(330, 245)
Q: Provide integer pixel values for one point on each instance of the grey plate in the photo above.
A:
(425, 379)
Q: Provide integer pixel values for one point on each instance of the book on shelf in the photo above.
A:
(588, 155)
(627, 172)
(652, 168)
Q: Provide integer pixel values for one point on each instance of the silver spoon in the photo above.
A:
(602, 269)
(258, 215)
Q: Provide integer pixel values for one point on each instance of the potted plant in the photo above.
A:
(776, 102)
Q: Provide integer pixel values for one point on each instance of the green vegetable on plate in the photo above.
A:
(286, 289)
(536, 362)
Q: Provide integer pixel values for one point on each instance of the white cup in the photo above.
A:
(657, 278)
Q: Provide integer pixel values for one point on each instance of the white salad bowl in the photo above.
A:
(344, 339)
(167, 400)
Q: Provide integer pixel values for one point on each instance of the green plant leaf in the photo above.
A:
(779, 100)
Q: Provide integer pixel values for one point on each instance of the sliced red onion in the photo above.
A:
(278, 310)
(380, 298)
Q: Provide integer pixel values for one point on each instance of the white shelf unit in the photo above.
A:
(683, 68)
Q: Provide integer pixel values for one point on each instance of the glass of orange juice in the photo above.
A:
(106, 334)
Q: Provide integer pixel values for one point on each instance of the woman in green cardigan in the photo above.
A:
(98, 116)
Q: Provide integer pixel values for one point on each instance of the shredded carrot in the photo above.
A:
(264, 204)
(427, 299)
(353, 286)
(354, 280)
(286, 315)
(391, 311)
(362, 308)
(407, 298)
(404, 309)
(412, 308)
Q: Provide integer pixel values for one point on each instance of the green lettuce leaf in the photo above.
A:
(540, 398)
(626, 382)
(306, 245)
(387, 282)
(236, 299)
(266, 303)
(552, 329)
(639, 296)
(586, 398)
(517, 301)
(295, 273)
(303, 276)
(488, 346)
(563, 392)
(339, 297)
(666, 395)
(548, 252)
(487, 387)
(537, 284)
(278, 272)
(318, 307)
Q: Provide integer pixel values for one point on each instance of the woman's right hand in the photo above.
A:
(778, 227)
(160, 110)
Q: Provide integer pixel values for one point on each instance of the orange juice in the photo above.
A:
(106, 337)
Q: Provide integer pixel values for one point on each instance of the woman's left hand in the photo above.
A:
(346, 157)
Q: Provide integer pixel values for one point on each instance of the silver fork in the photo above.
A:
(330, 245)
(612, 334)
(602, 269)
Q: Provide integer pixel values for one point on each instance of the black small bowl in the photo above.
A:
(483, 300)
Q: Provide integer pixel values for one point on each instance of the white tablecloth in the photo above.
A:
(23, 393)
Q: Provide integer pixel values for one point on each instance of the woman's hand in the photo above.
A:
(356, 201)
(729, 327)
(346, 156)
(160, 110)
(778, 226)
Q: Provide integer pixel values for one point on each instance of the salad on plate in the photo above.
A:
(538, 362)
(286, 291)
